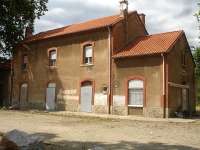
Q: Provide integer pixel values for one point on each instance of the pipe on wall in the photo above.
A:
(164, 84)
(110, 69)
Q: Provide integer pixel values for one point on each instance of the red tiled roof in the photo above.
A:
(150, 44)
(75, 28)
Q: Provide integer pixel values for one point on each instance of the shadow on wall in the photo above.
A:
(125, 145)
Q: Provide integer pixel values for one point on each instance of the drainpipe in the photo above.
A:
(164, 85)
(110, 70)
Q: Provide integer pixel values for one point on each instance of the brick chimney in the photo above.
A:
(28, 32)
(142, 18)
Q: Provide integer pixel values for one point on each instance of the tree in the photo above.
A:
(15, 17)
(197, 61)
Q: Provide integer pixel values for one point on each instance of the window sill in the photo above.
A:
(52, 67)
(86, 65)
(136, 106)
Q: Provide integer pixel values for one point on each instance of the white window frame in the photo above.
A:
(88, 60)
(136, 86)
(52, 62)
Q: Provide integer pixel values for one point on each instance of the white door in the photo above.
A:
(86, 98)
(51, 96)
(23, 95)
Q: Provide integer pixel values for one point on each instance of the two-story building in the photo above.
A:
(108, 65)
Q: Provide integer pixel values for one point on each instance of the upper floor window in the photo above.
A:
(184, 58)
(24, 62)
(136, 93)
(52, 57)
(88, 54)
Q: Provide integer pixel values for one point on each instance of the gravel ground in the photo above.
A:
(102, 134)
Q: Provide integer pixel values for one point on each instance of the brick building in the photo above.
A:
(107, 65)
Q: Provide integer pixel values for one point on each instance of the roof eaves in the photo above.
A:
(141, 55)
(172, 45)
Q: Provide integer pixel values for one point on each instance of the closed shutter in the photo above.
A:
(50, 96)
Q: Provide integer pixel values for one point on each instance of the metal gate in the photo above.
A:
(86, 97)
(23, 95)
(50, 96)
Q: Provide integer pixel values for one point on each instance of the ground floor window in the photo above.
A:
(23, 94)
(136, 93)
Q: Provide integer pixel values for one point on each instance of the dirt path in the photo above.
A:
(83, 133)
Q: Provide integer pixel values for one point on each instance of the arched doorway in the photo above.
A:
(86, 96)
(51, 96)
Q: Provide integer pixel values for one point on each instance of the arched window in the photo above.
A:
(88, 54)
(52, 57)
(136, 93)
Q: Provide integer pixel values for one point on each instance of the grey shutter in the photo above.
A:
(50, 96)
(86, 98)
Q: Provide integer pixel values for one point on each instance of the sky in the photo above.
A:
(161, 15)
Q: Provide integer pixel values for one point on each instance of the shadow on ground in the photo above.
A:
(122, 145)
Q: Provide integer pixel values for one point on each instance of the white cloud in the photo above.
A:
(44, 25)
(161, 15)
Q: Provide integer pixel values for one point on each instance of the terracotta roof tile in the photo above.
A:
(150, 44)
(75, 28)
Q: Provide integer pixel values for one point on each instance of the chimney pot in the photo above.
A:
(123, 7)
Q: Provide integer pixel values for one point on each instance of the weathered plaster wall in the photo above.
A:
(150, 68)
(180, 74)
(69, 71)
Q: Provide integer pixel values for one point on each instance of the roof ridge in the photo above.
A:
(78, 23)
(180, 31)
(86, 21)
(90, 24)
